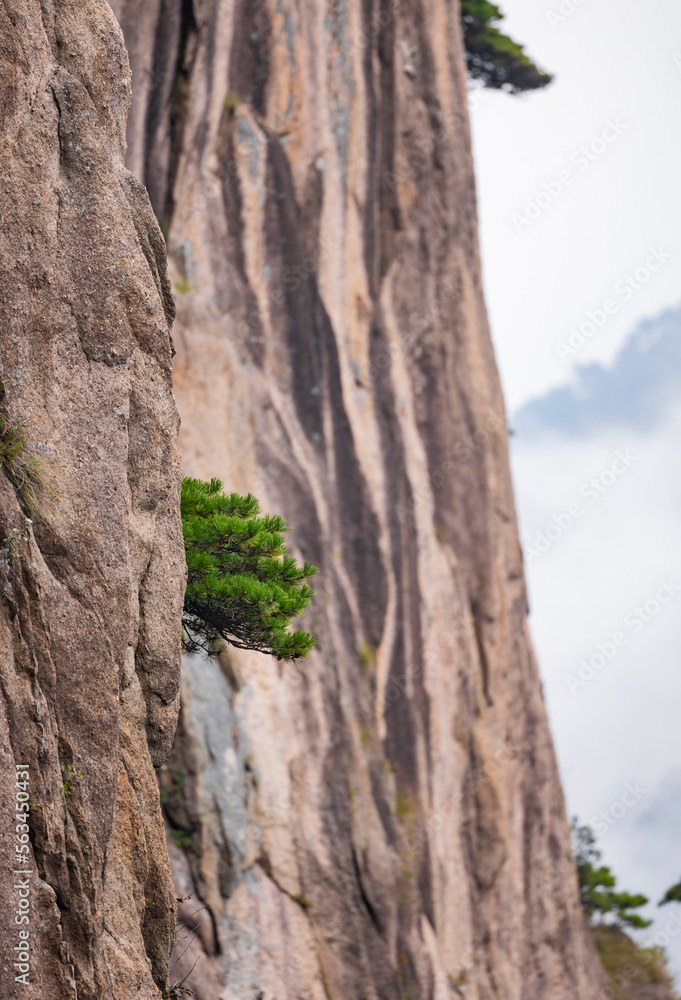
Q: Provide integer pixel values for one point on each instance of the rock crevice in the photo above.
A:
(92, 583)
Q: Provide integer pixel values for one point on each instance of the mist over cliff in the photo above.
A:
(599, 569)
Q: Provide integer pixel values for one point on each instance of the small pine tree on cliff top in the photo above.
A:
(492, 57)
(242, 585)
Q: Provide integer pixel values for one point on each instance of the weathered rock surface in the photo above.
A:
(385, 820)
(92, 591)
(633, 973)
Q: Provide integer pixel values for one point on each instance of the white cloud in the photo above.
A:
(542, 284)
(622, 726)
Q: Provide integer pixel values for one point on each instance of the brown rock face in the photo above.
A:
(385, 820)
(92, 590)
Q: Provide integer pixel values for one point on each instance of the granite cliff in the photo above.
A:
(385, 820)
(92, 584)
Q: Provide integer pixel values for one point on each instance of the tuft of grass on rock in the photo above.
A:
(402, 806)
(367, 658)
(70, 777)
(32, 478)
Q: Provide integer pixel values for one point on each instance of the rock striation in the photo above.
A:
(92, 584)
(385, 820)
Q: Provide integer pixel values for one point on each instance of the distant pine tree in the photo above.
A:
(597, 884)
(242, 586)
(492, 56)
(672, 895)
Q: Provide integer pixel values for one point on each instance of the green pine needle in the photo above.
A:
(492, 57)
(242, 586)
(597, 884)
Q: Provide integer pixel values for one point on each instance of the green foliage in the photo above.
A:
(179, 98)
(672, 895)
(69, 777)
(30, 476)
(597, 885)
(302, 900)
(10, 545)
(627, 965)
(493, 57)
(402, 805)
(231, 102)
(181, 838)
(367, 657)
(242, 586)
(623, 903)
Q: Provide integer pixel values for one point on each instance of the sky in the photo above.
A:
(598, 260)
(598, 489)
(617, 62)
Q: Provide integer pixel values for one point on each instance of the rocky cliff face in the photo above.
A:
(385, 820)
(92, 588)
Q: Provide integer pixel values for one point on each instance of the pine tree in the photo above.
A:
(672, 895)
(242, 585)
(492, 56)
(597, 884)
